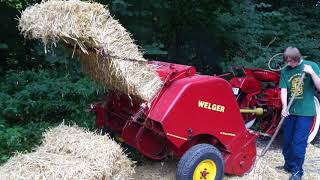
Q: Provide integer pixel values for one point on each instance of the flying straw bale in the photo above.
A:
(107, 51)
(70, 153)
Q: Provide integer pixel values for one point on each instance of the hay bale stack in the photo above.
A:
(70, 153)
(107, 51)
(265, 167)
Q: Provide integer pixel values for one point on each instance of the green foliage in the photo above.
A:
(217, 35)
(255, 32)
(20, 4)
(44, 96)
(33, 100)
(179, 31)
(22, 137)
(3, 46)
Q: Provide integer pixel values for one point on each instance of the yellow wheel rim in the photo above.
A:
(206, 170)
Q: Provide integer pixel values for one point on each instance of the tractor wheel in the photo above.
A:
(201, 162)
(315, 133)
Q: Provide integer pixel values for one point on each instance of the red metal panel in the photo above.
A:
(200, 105)
(179, 109)
(188, 106)
(175, 70)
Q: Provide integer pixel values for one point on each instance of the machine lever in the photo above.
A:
(257, 111)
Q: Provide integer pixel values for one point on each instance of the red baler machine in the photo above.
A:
(196, 118)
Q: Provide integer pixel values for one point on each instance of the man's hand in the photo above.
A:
(308, 69)
(284, 112)
(315, 78)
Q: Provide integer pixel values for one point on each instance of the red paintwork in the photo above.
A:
(178, 112)
(264, 75)
(172, 122)
(254, 94)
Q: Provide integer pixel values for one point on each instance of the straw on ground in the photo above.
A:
(70, 153)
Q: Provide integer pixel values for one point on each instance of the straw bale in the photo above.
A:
(70, 153)
(90, 27)
(130, 77)
(265, 167)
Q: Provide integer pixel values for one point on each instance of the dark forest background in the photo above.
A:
(40, 90)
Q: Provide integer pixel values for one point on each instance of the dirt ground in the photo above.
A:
(263, 169)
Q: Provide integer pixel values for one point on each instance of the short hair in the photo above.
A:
(293, 53)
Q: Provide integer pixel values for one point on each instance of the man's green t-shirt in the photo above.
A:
(303, 104)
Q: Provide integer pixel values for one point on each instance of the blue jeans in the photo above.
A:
(296, 131)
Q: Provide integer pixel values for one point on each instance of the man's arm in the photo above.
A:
(315, 78)
(283, 97)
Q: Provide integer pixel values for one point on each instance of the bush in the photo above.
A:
(33, 100)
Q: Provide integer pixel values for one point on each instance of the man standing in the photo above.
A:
(296, 126)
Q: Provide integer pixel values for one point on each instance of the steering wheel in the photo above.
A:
(276, 62)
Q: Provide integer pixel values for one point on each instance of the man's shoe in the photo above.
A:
(295, 177)
(282, 168)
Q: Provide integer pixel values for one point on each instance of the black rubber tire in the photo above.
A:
(194, 156)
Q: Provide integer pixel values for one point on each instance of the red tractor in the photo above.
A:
(199, 118)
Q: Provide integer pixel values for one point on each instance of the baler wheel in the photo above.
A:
(201, 162)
